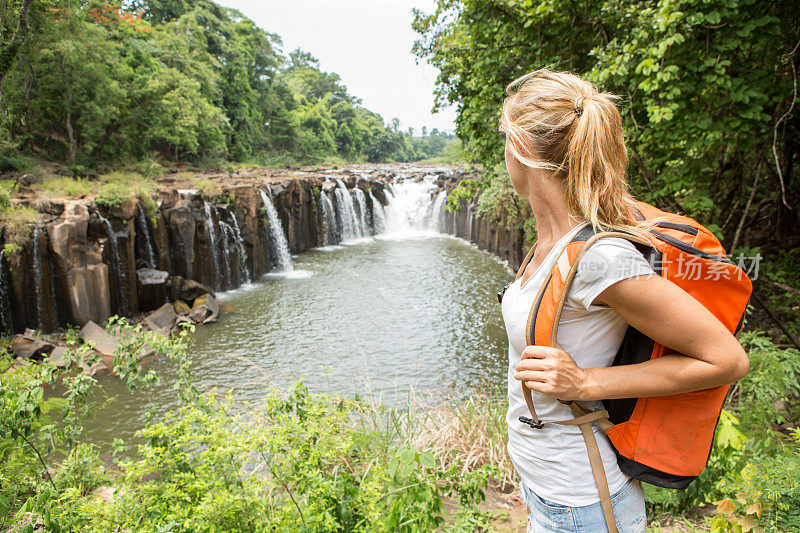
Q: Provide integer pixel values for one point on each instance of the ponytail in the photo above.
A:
(560, 122)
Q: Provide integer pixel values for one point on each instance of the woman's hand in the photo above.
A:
(553, 372)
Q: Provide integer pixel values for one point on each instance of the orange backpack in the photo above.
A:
(665, 440)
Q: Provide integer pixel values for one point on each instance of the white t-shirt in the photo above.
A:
(552, 461)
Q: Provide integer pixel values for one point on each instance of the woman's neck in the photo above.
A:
(548, 201)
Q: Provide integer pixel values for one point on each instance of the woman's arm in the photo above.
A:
(665, 313)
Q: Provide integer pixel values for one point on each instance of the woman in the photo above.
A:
(566, 154)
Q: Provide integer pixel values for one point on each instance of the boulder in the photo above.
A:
(181, 307)
(104, 342)
(93, 369)
(162, 319)
(19, 362)
(151, 287)
(186, 289)
(57, 356)
(204, 310)
(329, 186)
(29, 347)
(181, 319)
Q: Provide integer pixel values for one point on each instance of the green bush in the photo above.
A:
(113, 194)
(15, 162)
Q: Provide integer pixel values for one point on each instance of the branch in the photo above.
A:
(747, 206)
(35, 449)
(760, 301)
(778, 123)
(787, 288)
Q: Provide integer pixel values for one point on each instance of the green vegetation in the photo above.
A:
(293, 461)
(98, 82)
(707, 89)
(16, 220)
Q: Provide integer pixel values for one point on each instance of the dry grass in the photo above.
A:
(472, 433)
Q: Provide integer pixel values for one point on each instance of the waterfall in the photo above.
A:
(226, 237)
(437, 214)
(53, 300)
(241, 254)
(328, 220)
(470, 217)
(378, 217)
(212, 239)
(346, 211)
(38, 278)
(6, 322)
(411, 209)
(362, 211)
(281, 246)
(119, 281)
(143, 230)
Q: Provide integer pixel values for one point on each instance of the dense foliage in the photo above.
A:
(709, 89)
(98, 81)
(295, 461)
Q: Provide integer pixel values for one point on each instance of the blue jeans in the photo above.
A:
(550, 517)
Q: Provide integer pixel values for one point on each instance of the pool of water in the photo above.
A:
(388, 316)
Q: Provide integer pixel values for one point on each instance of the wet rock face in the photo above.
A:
(86, 262)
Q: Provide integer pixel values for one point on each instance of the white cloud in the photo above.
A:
(368, 43)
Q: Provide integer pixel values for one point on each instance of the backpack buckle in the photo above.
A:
(531, 422)
(501, 293)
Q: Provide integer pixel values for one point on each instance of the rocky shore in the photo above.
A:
(160, 261)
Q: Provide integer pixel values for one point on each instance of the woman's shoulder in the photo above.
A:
(607, 261)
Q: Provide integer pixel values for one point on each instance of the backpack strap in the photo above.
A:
(542, 330)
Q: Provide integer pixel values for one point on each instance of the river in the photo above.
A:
(411, 312)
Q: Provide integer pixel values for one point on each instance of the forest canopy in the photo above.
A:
(708, 91)
(86, 82)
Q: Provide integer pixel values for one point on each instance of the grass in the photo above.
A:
(472, 433)
(67, 186)
(17, 220)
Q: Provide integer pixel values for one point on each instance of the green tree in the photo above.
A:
(707, 87)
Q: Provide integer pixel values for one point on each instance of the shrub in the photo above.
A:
(17, 220)
(112, 194)
(15, 162)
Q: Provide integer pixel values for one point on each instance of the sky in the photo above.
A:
(366, 42)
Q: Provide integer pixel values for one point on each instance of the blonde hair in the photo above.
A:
(558, 121)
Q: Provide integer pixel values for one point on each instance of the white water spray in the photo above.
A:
(283, 257)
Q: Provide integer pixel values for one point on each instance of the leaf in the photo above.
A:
(407, 455)
(393, 464)
(754, 509)
(725, 506)
(427, 460)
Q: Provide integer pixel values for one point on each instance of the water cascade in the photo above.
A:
(212, 239)
(378, 217)
(226, 237)
(361, 200)
(241, 254)
(411, 209)
(328, 220)
(6, 322)
(143, 230)
(436, 222)
(281, 246)
(38, 277)
(346, 213)
(119, 280)
(470, 218)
